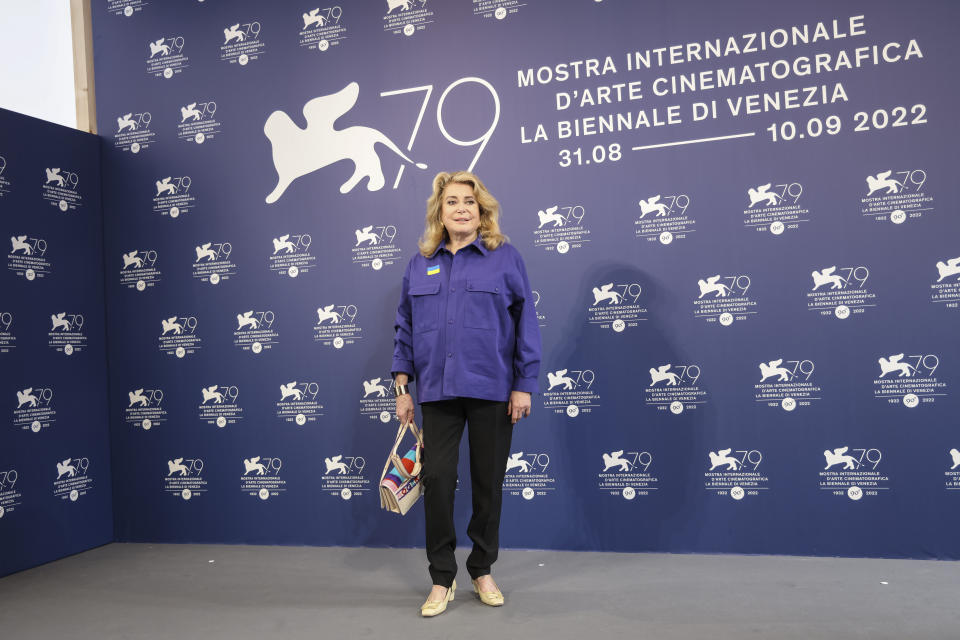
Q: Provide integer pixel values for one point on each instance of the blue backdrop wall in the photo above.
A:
(737, 221)
(55, 481)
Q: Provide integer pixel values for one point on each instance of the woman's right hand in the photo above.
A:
(405, 408)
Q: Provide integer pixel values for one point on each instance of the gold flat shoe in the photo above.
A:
(436, 607)
(490, 598)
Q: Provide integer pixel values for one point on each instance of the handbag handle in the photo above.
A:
(394, 459)
(397, 460)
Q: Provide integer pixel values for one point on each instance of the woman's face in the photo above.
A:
(459, 213)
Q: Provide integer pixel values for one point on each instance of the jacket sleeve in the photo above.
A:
(526, 357)
(403, 331)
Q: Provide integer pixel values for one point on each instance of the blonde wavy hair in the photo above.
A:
(434, 232)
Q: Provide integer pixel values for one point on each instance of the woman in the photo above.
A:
(467, 332)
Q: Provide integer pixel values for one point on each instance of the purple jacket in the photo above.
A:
(466, 325)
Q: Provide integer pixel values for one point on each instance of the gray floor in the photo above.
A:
(204, 591)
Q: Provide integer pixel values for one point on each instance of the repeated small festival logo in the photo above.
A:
(946, 288)
(735, 473)
(4, 182)
(663, 218)
(28, 257)
(291, 254)
(951, 481)
(127, 8)
(73, 479)
(910, 380)
(376, 247)
(178, 336)
(496, 9)
(34, 410)
(8, 341)
(724, 299)
(787, 384)
(344, 476)
(256, 331)
(406, 17)
(199, 122)
(166, 57)
(184, 478)
(853, 472)
(61, 189)
(570, 391)
(139, 270)
(337, 325)
(528, 475)
(675, 388)
(133, 132)
(627, 474)
(145, 408)
(219, 405)
(241, 43)
(212, 263)
(561, 228)
(323, 27)
(775, 208)
(377, 402)
(896, 196)
(299, 402)
(541, 314)
(173, 197)
(261, 477)
(10, 497)
(840, 292)
(616, 306)
(66, 334)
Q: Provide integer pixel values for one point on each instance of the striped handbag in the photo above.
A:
(400, 487)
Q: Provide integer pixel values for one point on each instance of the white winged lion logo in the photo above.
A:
(297, 152)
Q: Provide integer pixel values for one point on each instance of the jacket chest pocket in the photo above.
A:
(481, 305)
(425, 305)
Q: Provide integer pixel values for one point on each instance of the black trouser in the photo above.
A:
(490, 431)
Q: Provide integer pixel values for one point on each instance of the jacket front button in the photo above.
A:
(449, 355)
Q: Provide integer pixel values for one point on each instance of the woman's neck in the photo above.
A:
(459, 241)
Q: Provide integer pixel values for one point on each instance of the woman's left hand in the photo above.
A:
(519, 405)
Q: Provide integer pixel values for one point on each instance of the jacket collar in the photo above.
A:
(477, 243)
